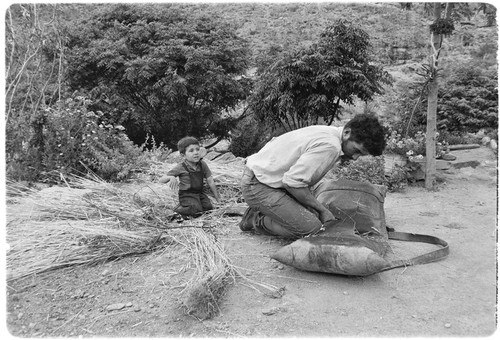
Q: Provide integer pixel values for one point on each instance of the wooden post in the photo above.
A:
(430, 141)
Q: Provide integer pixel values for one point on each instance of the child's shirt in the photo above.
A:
(184, 180)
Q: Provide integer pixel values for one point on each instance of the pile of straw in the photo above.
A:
(213, 273)
(87, 222)
(37, 247)
(91, 221)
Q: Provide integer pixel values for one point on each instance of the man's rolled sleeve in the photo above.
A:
(311, 166)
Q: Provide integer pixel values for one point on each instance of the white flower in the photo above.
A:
(409, 152)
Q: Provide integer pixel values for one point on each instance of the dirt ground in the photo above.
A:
(455, 297)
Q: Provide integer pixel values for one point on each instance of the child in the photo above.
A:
(191, 172)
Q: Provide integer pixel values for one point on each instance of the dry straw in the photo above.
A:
(213, 273)
(91, 221)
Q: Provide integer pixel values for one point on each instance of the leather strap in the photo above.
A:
(421, 259)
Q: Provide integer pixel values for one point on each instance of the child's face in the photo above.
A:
(193, 153)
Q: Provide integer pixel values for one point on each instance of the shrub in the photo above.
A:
(412, 147)
(249, 136)
(75, 139)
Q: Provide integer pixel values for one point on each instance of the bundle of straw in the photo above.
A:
(37, 247)
(214, 272)
(89, 221)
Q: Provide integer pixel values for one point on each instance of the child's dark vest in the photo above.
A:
(195, 179)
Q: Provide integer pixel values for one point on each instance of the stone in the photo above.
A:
(485, 140)
(115, 306)
(442, 164)
(211, 155)
(228, 156)
(448, 157)
(472, 164)
(493, 144)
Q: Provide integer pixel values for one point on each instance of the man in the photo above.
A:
(276, 181)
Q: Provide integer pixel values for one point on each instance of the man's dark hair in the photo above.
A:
(185, 142)
(367, 130)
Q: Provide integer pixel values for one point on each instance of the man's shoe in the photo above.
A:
(247, 221)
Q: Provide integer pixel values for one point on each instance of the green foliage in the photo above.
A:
(372, 170)
(443, 26)
(412, 147)
(467, 103)
(76, 139)
(469, 100)
(167, 72)
(308, 85)
(248, 137)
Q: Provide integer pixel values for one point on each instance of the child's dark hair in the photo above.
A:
(185, 142)
(367, 130)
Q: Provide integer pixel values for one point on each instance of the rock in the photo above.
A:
(271, 311)
(442, 164)
(128, 304)
(485, 140)
(174, 157)
(447, 325)
(115, 306)
(211, 155)
(448, 157)
(464, 146)
(493, 144)
(228, 156)
(472, 164)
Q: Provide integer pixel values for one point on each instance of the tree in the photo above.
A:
(160, 70)
(439, 28)
(34, 53)
(310, 84)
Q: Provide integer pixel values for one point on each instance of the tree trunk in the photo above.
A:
(430, 142)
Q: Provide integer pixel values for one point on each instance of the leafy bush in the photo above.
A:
(467, 103)
(309, 85)
(469, 100)
(249, 136)
(77, 139)
(412, 147)
(166, 71)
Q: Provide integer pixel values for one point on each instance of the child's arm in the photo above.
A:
(165, 179)
(174, 183)
(213, 187)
